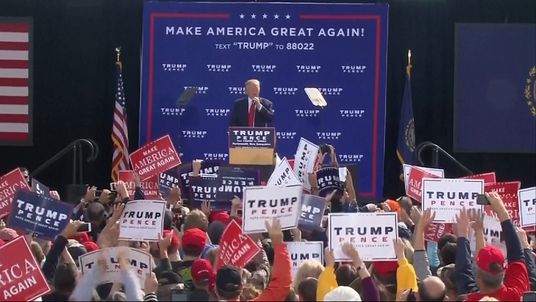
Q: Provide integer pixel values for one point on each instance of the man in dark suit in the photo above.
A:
(252, 110)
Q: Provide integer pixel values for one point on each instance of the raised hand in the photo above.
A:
(274, 230)
(463, 223)
(329, 258)
(71, 229)
(90, 194)
(497, 205)
(399, 249)
(151, 283)
(118, 210)
(427, 217)
(122, 190)
(206, 208)
(477, 220)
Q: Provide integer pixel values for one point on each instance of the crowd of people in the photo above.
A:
(185, 255)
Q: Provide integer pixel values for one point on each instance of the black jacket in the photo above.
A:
(239, 114)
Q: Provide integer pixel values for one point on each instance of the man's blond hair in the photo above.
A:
(253, 82)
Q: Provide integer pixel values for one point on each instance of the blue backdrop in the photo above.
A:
(495, 85)
(338, 48)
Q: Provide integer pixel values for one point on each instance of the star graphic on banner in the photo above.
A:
(241, 16)
(276, 16)
(287, 16)
(253, 16)
(264, 16)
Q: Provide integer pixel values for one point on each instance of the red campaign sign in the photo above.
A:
(235, 248)
(148, 186)
(22, 279)
(155, 157)
(415, 182)
(436, 230)
(10, 183)
(508, 193)
(488, 178)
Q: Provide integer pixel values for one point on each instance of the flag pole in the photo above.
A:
(408, 67)
(118, 57)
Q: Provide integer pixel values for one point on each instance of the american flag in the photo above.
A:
(120, 158)
(15, 99)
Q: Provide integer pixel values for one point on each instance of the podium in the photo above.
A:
(251, 145)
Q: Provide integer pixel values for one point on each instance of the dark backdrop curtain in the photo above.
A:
(74, 43)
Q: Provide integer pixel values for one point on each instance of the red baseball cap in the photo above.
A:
(222, 216)
(489, 255)
(194, 240)
(80, 237)
(383, 268)
(395, 207)
(90, 246)
(202, 271)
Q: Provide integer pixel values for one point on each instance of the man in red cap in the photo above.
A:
(494, 278)
(193, 243)
(203, 276)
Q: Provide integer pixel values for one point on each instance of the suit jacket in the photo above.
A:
(240, 114)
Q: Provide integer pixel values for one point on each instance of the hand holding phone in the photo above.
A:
(481, 199)
(84, 227)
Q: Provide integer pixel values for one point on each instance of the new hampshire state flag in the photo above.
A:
(406, 129)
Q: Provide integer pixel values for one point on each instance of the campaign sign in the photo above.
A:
(235, 248)
(304, 161)
(437, 172)
(185, 170)
(371, 233)
(488, 177)
(435, 231)
(527, 206)
(42, 216)
(39, 188)
(142, 220)
(493, 234)
(262, 204)
(141, 264)
(508, 193)
(283, 175)
(246, 137)
(155, 157)
(301, 251)
(148, 186)
(168, 180)
(492, 229)
(10, 183)
(312, 210)
(234, 180)
(328, 180)
(446, 197)
(22, 279)
(414, 185)
(205, 188)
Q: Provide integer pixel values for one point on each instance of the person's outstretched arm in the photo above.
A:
(465, 281)
(516, 277)
(370, 290)
(406, 278)
(327, 280)
(529, 258)
(281, 279)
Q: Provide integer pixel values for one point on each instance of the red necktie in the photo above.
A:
(251, 115)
